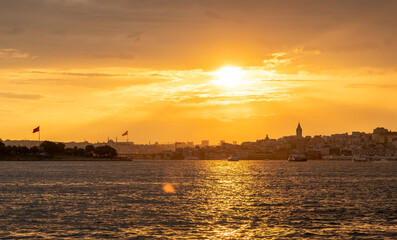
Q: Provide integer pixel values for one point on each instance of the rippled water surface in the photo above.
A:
(211, 200)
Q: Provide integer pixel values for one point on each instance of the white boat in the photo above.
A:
(358, 158)
(297, 158)
(233, 158)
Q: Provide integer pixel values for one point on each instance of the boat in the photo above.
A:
(233, 158)
(297, 158)
(358, 158)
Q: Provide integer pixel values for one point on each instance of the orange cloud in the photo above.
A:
(12, 53)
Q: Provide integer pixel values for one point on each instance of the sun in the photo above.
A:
(229, 76)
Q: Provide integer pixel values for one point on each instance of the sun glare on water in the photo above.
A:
(229, 76)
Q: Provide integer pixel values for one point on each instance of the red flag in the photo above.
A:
(125, 134)
(36, 129)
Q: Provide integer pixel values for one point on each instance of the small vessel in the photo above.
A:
(297, 158)
(358, 158)
(233, 158)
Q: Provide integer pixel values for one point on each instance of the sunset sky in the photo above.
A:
(187, 70)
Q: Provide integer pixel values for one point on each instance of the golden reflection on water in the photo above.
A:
(233, 200)
(228, 198)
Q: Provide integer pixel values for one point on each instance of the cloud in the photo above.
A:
(136, 36)
(277, 59)
(113, 55)
(78, 32)
(91, 83)
(19, 95)
(155, 75)
(82, 74)
(13, 53)
(91, 74)
(38, 81)
(368, 85)
(224, 99)
(306, 50)
(288, 80)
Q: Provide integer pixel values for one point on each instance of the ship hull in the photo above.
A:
(297, 158)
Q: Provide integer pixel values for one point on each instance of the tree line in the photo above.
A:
(48, 148)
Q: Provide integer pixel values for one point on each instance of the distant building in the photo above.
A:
(380, 130)
(382, 135)
(190, 144)
(205, 143)
(180, 145)
(299, 131)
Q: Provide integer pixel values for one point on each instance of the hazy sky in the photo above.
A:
(89, 69)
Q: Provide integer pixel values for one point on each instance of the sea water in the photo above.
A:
(198, 200)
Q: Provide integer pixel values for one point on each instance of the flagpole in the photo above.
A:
(39, 135)
(125, 134)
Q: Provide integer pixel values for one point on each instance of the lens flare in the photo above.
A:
(168, 188)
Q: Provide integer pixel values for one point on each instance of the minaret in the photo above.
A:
(299, 131)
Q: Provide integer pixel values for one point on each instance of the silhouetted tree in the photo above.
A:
(3, 149)
(13, 150)
(68, 151)
(61, 148)
(89, 155)
(22, 150)
(7, 150)
(79, 152)
(52, 148)
(89, 148)
(105, 151)
(34, 150)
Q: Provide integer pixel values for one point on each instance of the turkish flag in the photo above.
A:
(125, 134)
(36, 129)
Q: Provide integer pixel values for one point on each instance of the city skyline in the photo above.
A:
(380, 144)
(123, 138)
(193, 70)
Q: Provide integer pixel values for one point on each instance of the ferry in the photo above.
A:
(233, 158)
(297, 158)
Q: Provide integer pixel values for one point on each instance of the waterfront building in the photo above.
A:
(267, 137)
(299, 131)
(205, 143)
(384, 136)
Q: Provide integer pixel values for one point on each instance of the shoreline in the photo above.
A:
(60, 159)
(131, 160)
